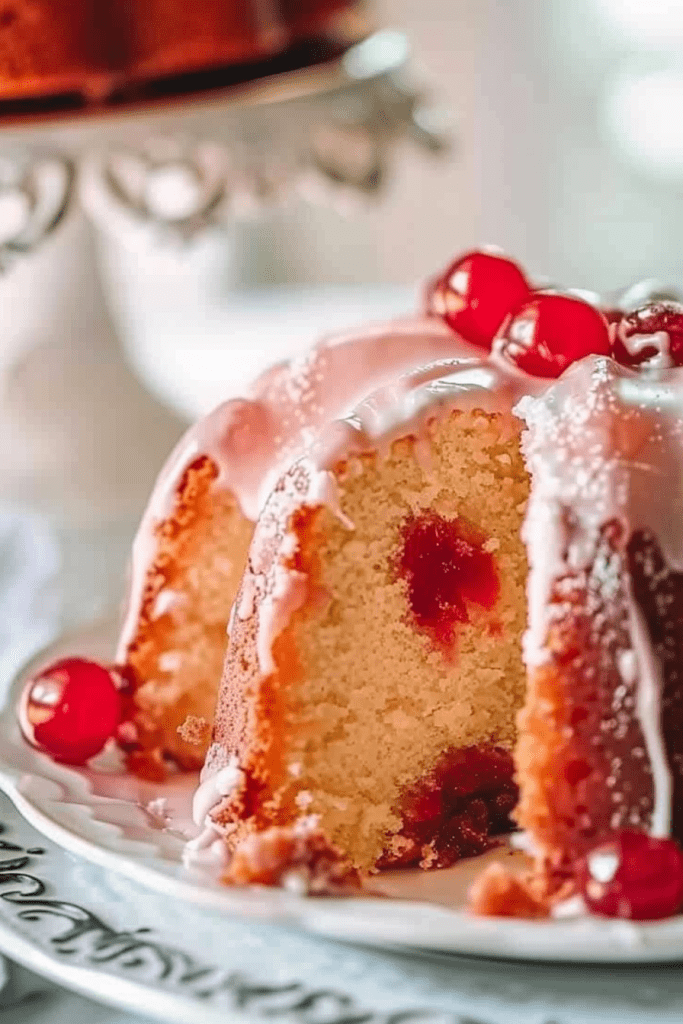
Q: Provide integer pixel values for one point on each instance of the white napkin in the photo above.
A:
(30, 604)
(30, 598)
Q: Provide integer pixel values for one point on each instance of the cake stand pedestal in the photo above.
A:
(82, 438)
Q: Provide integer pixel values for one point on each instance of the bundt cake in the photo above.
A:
(458, 608)
(93, 47)
(191, 548)
(376, 669)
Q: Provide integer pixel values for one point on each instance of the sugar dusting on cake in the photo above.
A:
(605, 444)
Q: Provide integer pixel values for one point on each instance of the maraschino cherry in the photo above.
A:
(70, 710)
(548, 331)
(475, 293)
(633, 876)
(447, 570)
(652, 332)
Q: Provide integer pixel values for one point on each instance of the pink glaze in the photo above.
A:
(252, 439)
(603, 441)
(273, 589)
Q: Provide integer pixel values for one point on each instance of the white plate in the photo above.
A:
(102, 935)
(101, 813)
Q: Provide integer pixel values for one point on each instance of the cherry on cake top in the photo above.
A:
(550, 331)
(651, 331)
(475, 294)
(486, 298)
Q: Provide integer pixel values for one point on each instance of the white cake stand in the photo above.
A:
(82, 438)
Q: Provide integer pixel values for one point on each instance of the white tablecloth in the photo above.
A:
(51, 579)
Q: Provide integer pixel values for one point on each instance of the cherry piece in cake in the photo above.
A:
(653, 332)
(549, 331)
(633, 876)
(453, 811)
(70, 710)
(447, 571)
(476, 293)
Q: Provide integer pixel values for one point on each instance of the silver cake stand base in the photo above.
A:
(82, 438)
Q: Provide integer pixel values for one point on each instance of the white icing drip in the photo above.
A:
(208, 851)
(324, 490)
(544, 520)
(606, 444)
(214, 788)
(649, 712)
(246, 605)
(287, 593)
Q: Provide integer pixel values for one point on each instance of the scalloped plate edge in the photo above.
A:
(387, 923)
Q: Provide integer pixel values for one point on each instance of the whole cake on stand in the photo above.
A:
(94, 49)
(271, 75)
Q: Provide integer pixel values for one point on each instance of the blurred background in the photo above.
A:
(566, 150)
(568, 147)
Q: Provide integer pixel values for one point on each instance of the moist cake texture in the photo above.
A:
(190, 550)
(342, 699)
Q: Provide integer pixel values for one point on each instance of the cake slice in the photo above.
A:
(190, 550)
(374, 670)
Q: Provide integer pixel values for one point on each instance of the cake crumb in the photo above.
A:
(429, 856)
(497, 892)
(158, 808)
(195, 731)
(298, 858)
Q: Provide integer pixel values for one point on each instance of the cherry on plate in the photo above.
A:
(548, 331)
(634, 876)
(475, 293)
(70, 710)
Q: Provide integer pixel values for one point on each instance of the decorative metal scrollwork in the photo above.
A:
(210, 171)
(36, 190)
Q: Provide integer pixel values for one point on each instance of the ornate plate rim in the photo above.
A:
(405, 924)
